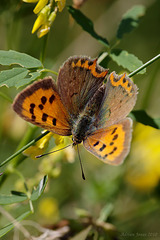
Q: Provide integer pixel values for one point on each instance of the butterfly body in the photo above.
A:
(80, 129)
(83, 106)
(85, 124)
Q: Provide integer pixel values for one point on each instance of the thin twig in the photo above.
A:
(144, 66)
(23, 148)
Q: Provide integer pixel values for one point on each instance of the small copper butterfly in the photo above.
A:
(82, 105)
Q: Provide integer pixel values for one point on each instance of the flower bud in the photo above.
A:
(40, 5)
(30, 1)
(41, 19)
(43, 30)
(52, 17)
(60, 4)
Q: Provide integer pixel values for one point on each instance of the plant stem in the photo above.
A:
(49, 70)
(27, 137)
(23, 148)
(44, 46)
(102, 57)
(144, 65)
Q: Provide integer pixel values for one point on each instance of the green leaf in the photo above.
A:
(12, 76)
(39, 190)
(83, 234)
(18, 193)
(105, 212)
(10, 199)
(142, 117)
(25, 81)
(10, 226)
(20, 197)
(17, 77)
(86, 24)
(126, 60)
(12, 57)
(130, 20)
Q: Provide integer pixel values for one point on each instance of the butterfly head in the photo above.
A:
(76, 140)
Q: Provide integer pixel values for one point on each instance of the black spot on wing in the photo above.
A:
(31, 110)
(103, 147)
(96, 143)
(44, 117)
(51, 99)
(43, 100)
(114, 149)
(115, 137)
(54, 121)
(114, 130)
(33, 117)
(32, 105)
(40, 106)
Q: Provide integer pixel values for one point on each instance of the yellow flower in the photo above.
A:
(38, 148)
(40, 5)
(30, 1)
(60, 4)
(143, 171)
(52, 17)
(48, 209)
(43, 30)
(45, 16)
(51, 164)
(44, 22)
(58, 139)
(67, 153)
(41, 19)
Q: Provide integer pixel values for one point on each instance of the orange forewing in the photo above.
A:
(41, 105)
(111, 144)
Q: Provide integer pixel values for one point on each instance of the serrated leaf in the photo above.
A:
(39, 190)
(25, 81)
(10, 226)
(130, 20)
(10, 57)
(126, 60)
(86, 24)
(142, 117)
(12, 76)
(83, 234)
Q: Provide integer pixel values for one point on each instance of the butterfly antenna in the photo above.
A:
(45, 154)
(83, 176)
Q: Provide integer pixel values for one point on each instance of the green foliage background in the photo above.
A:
(106, 194)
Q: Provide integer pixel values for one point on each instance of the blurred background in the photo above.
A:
(131, 191)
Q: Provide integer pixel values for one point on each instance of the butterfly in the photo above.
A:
(82, 105)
